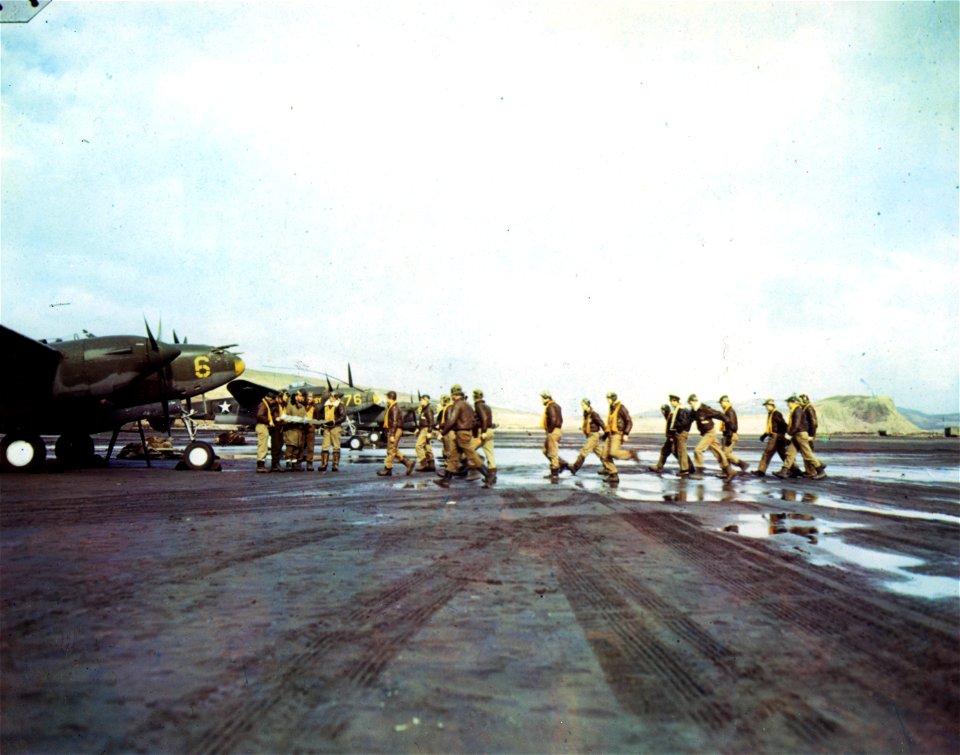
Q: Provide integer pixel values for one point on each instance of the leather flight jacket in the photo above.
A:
(553, 417)
(624, 422)
(798, 422)
(484, 417)
(592, 422)
(458, 417)
(425, 418)
(704, 416)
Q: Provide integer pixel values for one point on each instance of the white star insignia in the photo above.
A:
(224, 407)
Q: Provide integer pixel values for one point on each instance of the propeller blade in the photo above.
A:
(329, 387)
(175, 339)
(153, 341)
(349, 376)
(160, 328)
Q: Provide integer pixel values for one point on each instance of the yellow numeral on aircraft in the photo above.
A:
(201, 367)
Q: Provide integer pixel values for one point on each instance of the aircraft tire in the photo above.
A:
(199, 455)
(356, 443)
(374, 438)
(74, 449)
(22, 453)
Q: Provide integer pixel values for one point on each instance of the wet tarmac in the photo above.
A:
(166, 611)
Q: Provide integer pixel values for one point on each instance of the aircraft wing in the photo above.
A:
(29, 366)
(247, 394)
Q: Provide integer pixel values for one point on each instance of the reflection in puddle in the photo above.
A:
(767, 525)
(818, 500)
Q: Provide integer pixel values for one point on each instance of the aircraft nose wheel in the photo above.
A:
(199, 455)
(74, 450)
(22, 453)
(356, 443)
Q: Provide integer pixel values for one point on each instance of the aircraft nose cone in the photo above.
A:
(238, 366)
(167, 353)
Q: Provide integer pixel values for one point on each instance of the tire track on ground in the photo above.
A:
(336, 665)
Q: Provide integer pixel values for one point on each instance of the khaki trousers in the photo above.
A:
(592, 444)
(612, 450)
(551, 448)
(291, 439)
(709, 441)
(485, 443)
(680, 450)
(424, 452)
(801, 442)
(776, 444)
(331, 439)
(462, 450)
(263, 437)
(393, 448)
(309, 441)
(728, 446)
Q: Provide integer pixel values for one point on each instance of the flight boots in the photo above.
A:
(491, 476)
(261, 467)
(309, 466)
(336, 462)
(697, 473)
(444, 481)
(553, 475)
(384, 472)
(577, 463)
(324, 458)
(729, 473)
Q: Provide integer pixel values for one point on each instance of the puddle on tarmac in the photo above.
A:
(904, 581)
(831, 550)
(768, 525)
(815, 499)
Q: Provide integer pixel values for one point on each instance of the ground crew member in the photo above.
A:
(312, 412)
(730, 437)
(592, 430)
(424, 429)
(483, 431)
(618, 426)
(264, 426)
(333, 415)
(393, 426)
(459, 419)
(800, 441)
(811, 415)
(775, 435)
(552, 424)
(276, 432)
(680, 421)
(295, 411)
(704, 416)
(670, 443)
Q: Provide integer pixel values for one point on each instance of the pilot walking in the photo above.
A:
(775, 434)
(552, 424)
(393, 425)
(730, 437)
(811, 414)
(278, 434)
(483, 431)
(681, 419)
(424, 429)
(334, 414)
(704, 416)
(592, 430)
(798, 431)
(618, 427)
(264, 427)
(670, 440)
(459, 419)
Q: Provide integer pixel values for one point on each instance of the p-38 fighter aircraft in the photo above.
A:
(93, 384)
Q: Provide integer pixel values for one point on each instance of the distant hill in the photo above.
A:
(862, 414)
(935, 422)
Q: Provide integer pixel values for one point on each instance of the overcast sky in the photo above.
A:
(644, 197)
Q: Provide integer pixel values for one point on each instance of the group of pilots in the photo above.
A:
(465, 430)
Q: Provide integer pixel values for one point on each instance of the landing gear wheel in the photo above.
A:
(22, 453)
(356, 443)
(374, 438)
(199, 455)
(74, 450)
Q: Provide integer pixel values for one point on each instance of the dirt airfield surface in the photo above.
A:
(166, 611)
